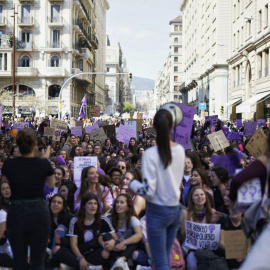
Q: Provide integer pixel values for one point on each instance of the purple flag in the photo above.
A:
(82, 110)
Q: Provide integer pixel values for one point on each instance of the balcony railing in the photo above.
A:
(55, 20)
(24, 45)
(26, 71)
(26, 20)
(94, 41)
(84, 9)
(56, 45)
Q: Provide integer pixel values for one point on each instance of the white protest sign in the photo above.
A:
(56, 135)
(20, 125)
(77, 131)
(79, 164)
(218, 140)
(124, 134)
(48, 131)
(91, 128)
(249, 192)
(132, 125)
(98, 134)
(201, 235)
(60, 125)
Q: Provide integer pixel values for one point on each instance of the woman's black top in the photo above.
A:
(27, 176)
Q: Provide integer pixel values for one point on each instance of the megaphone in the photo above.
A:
(175, 111)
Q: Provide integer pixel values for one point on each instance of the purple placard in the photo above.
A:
(239, 123)
(183, 130)
(213, 119)
(89, 129)
(261, 122)
(124, 134)
(230, 162)
(234, 135)
(250, 128)
(225, 130)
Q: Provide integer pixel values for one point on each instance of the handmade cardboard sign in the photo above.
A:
(218, 140)
(48, 131)
(98, 134)
(58, 124)
(236, 244)
(200, 236)
(132, 125)
(230, 162)
(20, 125)
(56, 135)
(213, 119)
(257, 145)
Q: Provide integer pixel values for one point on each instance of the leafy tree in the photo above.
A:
(129, 107)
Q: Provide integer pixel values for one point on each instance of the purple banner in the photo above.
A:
(183, 130)
(261, 122)
(234, 135)
(239, 123)
(225, 131)
(230, 162)
(250, 128)
(213, 119)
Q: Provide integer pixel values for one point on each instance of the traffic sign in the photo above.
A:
(202, 106)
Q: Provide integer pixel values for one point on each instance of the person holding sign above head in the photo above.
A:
(163, 170)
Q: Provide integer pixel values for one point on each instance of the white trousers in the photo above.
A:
(259, 256)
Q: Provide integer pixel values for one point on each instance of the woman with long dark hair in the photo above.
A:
(88, 232)
(163, 169)
(28, 221)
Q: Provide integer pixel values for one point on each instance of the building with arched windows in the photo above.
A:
(54, 40)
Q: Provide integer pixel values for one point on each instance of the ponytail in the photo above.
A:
(163, 125)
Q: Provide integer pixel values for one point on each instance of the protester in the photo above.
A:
(27, 206)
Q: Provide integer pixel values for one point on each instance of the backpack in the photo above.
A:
(176, 257)
(208, 260)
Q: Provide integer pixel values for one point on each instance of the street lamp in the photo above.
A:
(13, 60)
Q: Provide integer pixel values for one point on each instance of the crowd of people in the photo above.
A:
(102, 223)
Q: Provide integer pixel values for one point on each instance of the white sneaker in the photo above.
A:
(95, 267)
(120, 263)
(65, 267)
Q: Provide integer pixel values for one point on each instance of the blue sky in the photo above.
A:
(142, 28)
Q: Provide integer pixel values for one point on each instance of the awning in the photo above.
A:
(231, 102)
(246, 105)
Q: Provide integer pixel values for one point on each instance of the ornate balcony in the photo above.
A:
(26, 21)
(26, 72)
(55, 22)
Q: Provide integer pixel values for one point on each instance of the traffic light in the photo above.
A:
(130, 77)
(222, 110)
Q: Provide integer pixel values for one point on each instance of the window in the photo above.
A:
(80, 64)
(176, 40)
(54, 91)
(176, 28)
(26, 18)
(248, 28)
(55, 38)
(55, 61)
(176, 88)
(259, 62)
(24, 61)
(175, 68)
(175, 59)
(266, 60)
(260, 21)
(55, 13)
(176, 78)
(176, 49)
(1, 14)
(234, 42)
(242, 35)
(108, 69)
(2, 35)
(238, 40)
(5, 61)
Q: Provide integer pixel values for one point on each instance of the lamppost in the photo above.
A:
(13, 62)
